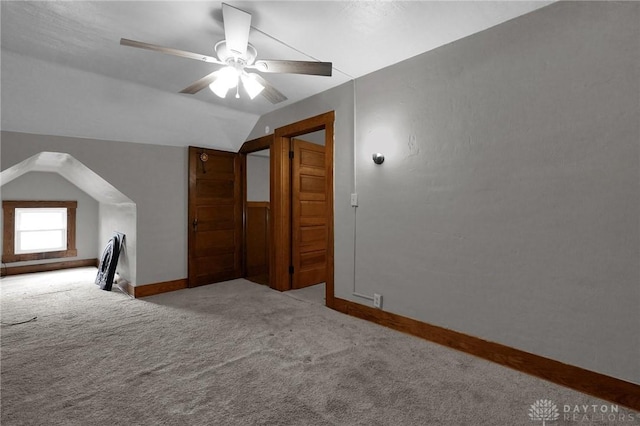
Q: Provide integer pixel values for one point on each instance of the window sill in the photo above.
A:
(9, 258)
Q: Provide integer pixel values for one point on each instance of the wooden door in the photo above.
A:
(309, 215)
(215, 216)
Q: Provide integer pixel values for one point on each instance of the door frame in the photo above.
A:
(279, 144)
(254, 145)
(280, 202)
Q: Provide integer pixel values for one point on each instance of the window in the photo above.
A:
(40, 230)
(35, 230)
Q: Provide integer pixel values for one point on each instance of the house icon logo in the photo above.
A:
(543, 410)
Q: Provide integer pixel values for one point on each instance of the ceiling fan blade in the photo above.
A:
(237, 24)
(200, 84)
(294, 67)
(272, 94)
(169, 50)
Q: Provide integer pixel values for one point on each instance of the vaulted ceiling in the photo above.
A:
(44, 44)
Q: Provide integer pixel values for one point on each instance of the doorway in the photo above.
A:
(310, 239)
(300, 227)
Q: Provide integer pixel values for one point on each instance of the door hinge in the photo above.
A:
(291, 269)
(290, 154)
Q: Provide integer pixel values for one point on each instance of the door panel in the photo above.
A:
(215, 188)
(218, 241)
(309, 214)
(312, 212)
(312, 187)
(313, 237)
(215, 216)
(219, 218)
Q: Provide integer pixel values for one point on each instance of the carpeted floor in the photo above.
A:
(238, 353)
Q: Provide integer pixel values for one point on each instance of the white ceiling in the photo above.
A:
(359, 37)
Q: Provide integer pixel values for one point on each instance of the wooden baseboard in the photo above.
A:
(586, 381)
(156, 288)
(44, 267)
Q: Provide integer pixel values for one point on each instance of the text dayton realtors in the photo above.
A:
(595, 413)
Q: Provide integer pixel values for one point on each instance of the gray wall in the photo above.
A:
(52, 186)
(257, 177)
(154, 177)
(508, 205)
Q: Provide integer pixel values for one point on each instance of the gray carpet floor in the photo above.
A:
(238, 353)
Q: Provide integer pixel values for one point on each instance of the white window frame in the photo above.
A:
(18, 231)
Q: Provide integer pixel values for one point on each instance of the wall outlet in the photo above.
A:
(354, 200)
(377, 300)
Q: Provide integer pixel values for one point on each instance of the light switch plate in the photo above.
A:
(354, 200)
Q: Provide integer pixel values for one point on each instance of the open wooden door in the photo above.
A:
(308, 214)
(215, 216)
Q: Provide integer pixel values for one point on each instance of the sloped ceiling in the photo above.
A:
(64, 72)
(72, 170)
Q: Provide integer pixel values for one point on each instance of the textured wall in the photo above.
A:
(508, 204)
(52, 186)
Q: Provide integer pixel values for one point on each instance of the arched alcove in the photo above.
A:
(117, 212)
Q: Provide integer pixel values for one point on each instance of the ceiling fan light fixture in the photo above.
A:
(219, 88)
(227, 79)
(251, 85)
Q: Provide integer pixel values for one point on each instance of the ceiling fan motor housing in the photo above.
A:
(227, 56)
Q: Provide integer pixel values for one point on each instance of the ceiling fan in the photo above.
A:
(235, 55)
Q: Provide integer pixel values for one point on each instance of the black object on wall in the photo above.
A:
(109, 261)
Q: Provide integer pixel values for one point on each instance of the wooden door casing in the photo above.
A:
(280, 197)
(215, 216)
(280, 201)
